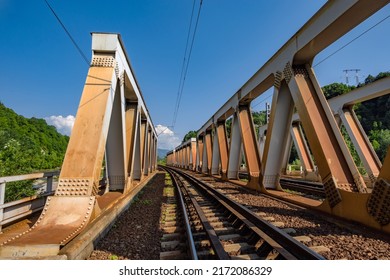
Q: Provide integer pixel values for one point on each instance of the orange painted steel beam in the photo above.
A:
(223, 148)
(361, 143)
(249, 141)
(302, 148)
(199, 154)
(209, 150)
(193, 154)
(131, 123)
(188, 157)
(335, 164)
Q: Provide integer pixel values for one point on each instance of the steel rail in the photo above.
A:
(190, 238)
(304, 187)
(268, 232)
(209, 230)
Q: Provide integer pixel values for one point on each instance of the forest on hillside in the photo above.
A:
(27, 145)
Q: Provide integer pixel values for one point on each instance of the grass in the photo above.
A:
(113, 257)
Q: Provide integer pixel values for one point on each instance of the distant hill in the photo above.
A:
(28, 144)
(162, 153)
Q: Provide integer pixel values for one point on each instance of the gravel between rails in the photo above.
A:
(343, 242)
(136, 234)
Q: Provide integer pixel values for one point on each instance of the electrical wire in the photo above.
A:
(354, 39)
(262, 100)
(68, 33)
(184, 59)
(182, 82)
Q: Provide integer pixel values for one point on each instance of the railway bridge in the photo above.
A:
(114, 132)
(298, 105)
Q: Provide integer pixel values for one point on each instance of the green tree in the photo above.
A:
(27, 145)
(336, 89)
(189, 135)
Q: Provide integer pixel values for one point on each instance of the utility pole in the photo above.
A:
(347, 77)
(267, 111)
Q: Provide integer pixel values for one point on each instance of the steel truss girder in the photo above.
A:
(344, 185)
(110, 104)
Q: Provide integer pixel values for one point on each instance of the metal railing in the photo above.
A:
(18, 209)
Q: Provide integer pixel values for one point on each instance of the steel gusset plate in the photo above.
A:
(61, 220)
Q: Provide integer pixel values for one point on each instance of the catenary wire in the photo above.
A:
(186, 68)
(354, 39)
(68, 33)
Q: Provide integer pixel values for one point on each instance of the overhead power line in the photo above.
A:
(186, 61)
(68, 33)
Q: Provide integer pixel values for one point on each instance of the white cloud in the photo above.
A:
(167, 138)
(64, 125)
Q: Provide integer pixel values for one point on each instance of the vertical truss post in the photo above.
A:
(234, 159)
(131, 125)
(144, 139)
(116, 143)
(209, 151)
(199, 153)
(193, 154)
(215, 154)
(278, 131)
(251, 151)
(188, 153)
(223, 148)
(145, 162)
(137, 163)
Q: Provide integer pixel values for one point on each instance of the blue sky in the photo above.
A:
(42, 73)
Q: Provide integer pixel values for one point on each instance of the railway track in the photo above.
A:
(216, 227)
(305, 187)
(314, 189)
